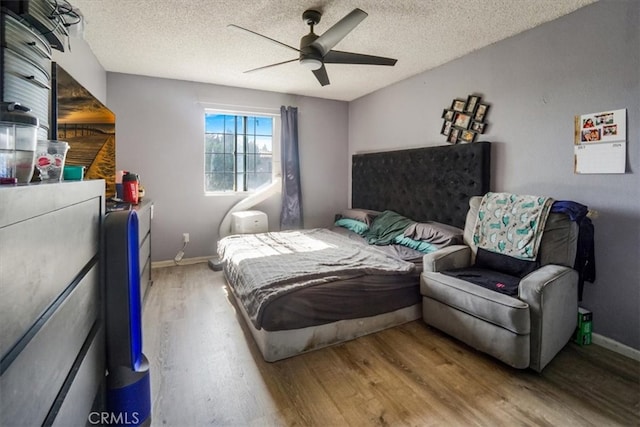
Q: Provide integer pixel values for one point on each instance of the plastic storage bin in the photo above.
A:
(18, 136)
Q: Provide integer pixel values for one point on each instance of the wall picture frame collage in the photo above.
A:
(464, 120)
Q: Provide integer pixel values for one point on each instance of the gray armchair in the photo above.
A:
(526, 330)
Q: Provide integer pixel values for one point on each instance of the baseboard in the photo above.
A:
(615, 346)
(184, 261)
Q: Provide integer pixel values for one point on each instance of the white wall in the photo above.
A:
(160, 136)
(536, 82)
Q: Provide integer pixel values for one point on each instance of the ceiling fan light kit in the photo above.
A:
(315, 51)
(311, 63)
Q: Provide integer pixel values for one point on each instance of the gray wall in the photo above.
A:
(81, 63)
(160, 136)
(536, 82)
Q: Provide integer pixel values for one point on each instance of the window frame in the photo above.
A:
(275, 145)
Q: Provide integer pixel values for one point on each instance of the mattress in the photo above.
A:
(313, 300)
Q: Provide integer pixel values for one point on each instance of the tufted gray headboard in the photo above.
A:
(424, 184)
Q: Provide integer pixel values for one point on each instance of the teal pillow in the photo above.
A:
(353, 225)
(418, 245)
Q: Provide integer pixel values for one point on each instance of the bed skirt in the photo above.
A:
(278, 345)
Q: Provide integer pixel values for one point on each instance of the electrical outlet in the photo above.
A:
(185, 237)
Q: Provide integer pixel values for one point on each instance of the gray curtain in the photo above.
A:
(291, 212)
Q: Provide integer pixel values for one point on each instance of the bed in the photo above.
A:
(302, 290)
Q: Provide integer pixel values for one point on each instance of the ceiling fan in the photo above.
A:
(315, 51)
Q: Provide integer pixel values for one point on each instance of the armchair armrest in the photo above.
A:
(455, 256)
(552, 295)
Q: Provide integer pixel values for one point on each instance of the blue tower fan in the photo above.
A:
(128, 386)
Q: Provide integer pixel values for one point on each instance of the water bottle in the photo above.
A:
(130, 188)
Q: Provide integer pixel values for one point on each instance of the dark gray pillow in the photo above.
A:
(436, 233)
(363, 215)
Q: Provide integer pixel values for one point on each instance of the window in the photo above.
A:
(238, 152)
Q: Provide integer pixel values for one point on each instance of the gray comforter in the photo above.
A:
(261, 267)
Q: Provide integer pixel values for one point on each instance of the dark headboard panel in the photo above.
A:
(424, 184)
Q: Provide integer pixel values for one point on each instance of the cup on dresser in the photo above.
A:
(50, 158)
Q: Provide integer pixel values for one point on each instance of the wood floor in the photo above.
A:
(206, 370)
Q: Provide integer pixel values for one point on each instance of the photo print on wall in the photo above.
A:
(464, 120)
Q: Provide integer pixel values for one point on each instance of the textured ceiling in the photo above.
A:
(190, 40)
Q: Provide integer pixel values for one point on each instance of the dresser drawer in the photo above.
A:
(25, 42)
(45, 255)
(144, 252)
(144, 222)
(76, 407)
(28, 84)
(145, 280)
(32, 381)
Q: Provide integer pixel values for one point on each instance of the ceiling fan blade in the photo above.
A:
(271, 65)
(338, 57)
(263, 36)
(340, 29)
(321, 75)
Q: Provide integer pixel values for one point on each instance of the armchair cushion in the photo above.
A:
(493, 307)
(489, 279)
(498, 272)
(504, 263)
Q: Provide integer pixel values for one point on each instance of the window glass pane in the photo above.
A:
(251, 145)
(219, 182)
(229, 143)
(251, 125)
(264, 126)
(251, 163)
(240, 143)
(229, 124)
(213, 143)
(209, 163)
(228, 163)
(214, 123)
(251, 181)
(263, 163)
(240, 124)
(239, 163)
(214, 163)
(239, 182)
(264, 144)
(228, 182)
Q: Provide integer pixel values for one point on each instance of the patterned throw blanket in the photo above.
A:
(261, 267)
(511, 224)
